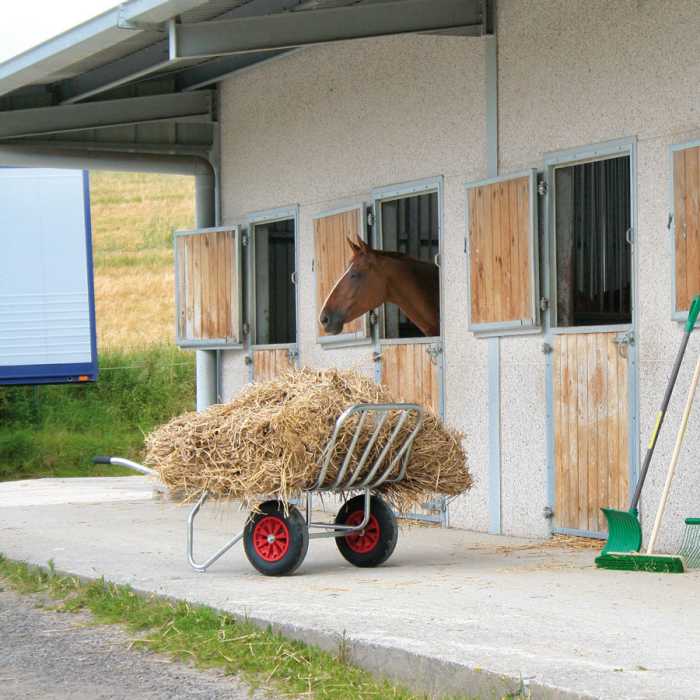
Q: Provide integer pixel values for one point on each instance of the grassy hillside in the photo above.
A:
(133, 217)
(144, 380)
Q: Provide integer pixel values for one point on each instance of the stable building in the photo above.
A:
(545, 155)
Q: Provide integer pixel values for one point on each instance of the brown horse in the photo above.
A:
(374, 277)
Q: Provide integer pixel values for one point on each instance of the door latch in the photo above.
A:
(623, 341)
(434, 351)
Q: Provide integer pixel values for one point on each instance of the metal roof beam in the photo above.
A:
(98, 115)
(152, 59)
(293, 29)
(134, 147)
(112, 75)
(218, 69)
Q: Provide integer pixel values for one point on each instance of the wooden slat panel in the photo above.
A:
(269, 363)
(679, 195)
(499, 251)
(411, 375)
(208, 286)
(189, 293)
(583, 429)
(525, 264)
(686, 187)
(623, 431)
(692, 215)
(591, 446)
(602, 419)
(332, 257)
(181, 274)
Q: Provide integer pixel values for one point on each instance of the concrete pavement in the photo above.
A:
(451, 611)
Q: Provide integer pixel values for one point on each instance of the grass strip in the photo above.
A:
(54, 431)
(207, 638)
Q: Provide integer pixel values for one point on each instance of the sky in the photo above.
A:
(26, 23)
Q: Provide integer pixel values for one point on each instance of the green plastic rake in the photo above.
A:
(624, 529)
(690, 547)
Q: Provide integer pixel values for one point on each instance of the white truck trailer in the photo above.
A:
(47, 307)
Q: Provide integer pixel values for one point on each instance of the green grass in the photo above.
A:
(56, 430)
(209, 639)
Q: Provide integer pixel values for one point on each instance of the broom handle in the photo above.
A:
(693, 313)
(675, 456)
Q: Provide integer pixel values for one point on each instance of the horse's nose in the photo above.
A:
(331, 321)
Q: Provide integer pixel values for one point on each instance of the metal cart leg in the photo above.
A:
(201, 568)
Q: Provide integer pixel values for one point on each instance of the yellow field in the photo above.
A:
(133, 217)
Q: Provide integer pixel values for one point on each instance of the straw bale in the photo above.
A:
(269, 442)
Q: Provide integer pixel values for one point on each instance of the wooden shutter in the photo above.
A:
(502, 240)
(208, 287)
(686, 216)
(332, 257)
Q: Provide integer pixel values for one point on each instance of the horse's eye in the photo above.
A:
(355, 275)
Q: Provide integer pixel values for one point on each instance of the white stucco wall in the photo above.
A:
(323, 126)
(573, 74)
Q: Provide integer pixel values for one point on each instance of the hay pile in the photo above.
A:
(270, 439)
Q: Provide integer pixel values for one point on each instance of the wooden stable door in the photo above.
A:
(270, 363)
(412, 374)
(591, 431)
(207, 287)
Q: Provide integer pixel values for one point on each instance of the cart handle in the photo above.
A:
(122, 462)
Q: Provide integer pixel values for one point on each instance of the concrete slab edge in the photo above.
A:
(418, 672)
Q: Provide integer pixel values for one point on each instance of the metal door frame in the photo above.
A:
(578, 156)
(268, 216)
(403, 191)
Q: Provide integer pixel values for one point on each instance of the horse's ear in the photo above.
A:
(362, 245)
(353, 246)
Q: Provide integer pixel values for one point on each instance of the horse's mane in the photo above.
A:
(400, 256)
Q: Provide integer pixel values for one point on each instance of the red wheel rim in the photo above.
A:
(366, 540)
(271, 538)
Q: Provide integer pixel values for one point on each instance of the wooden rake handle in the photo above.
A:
(674, 457)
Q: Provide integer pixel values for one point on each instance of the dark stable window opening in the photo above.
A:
(410, 225)
(593, 254)
(275, 310)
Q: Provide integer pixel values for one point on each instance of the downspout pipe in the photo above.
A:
(28, 156)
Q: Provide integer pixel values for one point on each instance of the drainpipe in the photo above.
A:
(207, 360)
(90, 158)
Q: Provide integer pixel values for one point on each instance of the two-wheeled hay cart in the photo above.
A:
(276, 538)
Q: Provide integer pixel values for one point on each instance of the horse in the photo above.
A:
(375, 277)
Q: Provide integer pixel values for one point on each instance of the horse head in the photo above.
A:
(362, 288)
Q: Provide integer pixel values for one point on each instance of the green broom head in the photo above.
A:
(624, 531)
(690, 547)
(630, 561)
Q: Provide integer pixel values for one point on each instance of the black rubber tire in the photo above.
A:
(297, 539)
(383, 526)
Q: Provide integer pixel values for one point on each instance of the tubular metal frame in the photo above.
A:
(382, 471)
